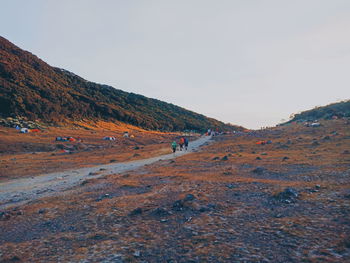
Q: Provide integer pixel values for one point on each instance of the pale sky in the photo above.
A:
(247, 62)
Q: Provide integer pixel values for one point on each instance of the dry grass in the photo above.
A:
(234, 216)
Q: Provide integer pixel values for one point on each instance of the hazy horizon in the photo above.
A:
(250, 63)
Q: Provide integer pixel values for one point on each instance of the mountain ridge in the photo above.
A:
(33, 89)
(333, 110)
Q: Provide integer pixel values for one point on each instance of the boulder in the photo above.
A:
(289, 195)
(259, 170)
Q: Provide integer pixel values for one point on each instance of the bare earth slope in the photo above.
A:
(233, 201)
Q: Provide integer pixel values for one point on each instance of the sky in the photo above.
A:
(246, 62)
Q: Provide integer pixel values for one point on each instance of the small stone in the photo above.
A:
(189, 197)
(258, 158)
(230, 186)
(259, 170)
(137, 211)
(137, 253)
(160, 212)
(315, 143)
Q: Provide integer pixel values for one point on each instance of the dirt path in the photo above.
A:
(19, 191)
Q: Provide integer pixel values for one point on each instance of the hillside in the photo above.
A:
(338, 110)
(33, 89)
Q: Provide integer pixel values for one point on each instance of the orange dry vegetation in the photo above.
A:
(208, 206)
(37, 153)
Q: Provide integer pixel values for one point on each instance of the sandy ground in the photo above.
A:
(19, 191)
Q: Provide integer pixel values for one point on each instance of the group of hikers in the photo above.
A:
(183, 144)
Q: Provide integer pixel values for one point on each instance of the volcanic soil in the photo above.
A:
(231, 201)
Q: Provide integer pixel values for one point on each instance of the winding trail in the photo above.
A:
(20, 191)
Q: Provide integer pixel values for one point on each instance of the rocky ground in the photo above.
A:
(232, 201)
(35, 153)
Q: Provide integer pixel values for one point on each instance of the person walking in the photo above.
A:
(181, 143)
(186, 143)
(173, 146)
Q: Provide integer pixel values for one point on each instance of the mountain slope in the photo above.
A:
(339, 109)
(31, 88)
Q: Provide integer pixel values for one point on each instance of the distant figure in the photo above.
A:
(186, 143)
(173, 146)
(181, 143)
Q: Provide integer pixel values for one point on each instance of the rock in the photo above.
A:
(137, 253)
(136, 148)
(14, 259)
(41, 211)
(285, 158)
(216, 158)
(346, 152)
(189, 197)
(179, 205)
(84, 182)
(315, 143)
(112, 161)
(258, 158)
(259, 170)
(230, 186)
(136, 155)
(225, 158)
(263, 153)
(278, 215)
(137, 211)
(317, 186)
(103, 197)
(325, 138)
(4, 216)
(289, 195)
(283, 146)
(160, 212)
